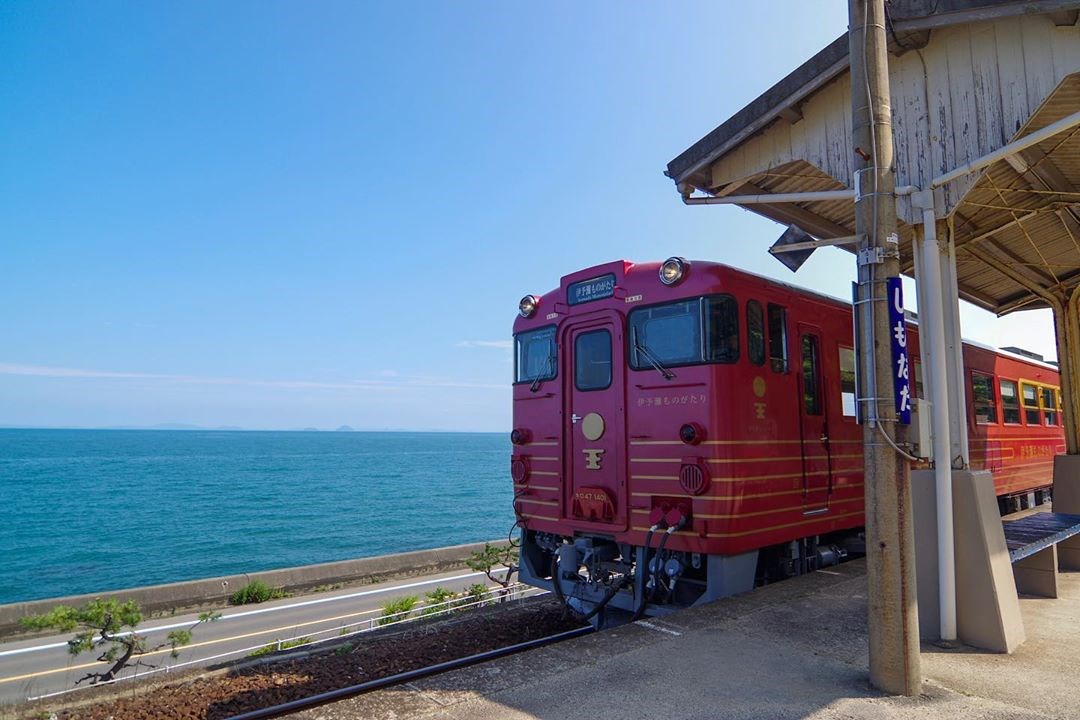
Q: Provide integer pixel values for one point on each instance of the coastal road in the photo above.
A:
(43, 666)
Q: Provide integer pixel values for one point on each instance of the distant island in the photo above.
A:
(344, 428)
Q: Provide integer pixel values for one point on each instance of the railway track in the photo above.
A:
(305, 679)
(353, 690)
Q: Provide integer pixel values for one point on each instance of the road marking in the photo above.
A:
(259, 611)
(205, 643)
(657, 628)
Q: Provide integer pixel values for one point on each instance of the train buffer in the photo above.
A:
(1032, 542)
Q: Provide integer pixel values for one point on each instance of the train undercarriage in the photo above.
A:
(609, 583)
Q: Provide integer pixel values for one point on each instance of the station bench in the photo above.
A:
(1032, 542)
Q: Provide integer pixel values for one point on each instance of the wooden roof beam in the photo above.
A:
(1011, 273)
(792, 214)
(1044, 279)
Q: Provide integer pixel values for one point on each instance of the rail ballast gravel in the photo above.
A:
(353, 690)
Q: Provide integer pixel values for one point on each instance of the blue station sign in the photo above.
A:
(898, 340)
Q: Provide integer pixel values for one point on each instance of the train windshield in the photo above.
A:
(688, 332)
(535, 357)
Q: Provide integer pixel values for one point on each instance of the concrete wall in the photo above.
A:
(192, 594)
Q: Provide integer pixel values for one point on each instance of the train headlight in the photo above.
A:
(673, 270)
(527, 306)
(519, 436)
(691, 433)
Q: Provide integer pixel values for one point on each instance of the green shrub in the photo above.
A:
(398, 609)
(438, 597)
(476, 594)
(256, 591)
(274, 647)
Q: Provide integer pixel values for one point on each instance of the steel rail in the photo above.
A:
(353, 690)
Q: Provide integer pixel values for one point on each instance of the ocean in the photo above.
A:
(93, 510)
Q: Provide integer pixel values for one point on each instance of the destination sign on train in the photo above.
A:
(587, 290)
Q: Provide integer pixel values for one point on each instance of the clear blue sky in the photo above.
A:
(278, 215)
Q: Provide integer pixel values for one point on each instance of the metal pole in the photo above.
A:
(932, 333)
(961, 456)
(771, 198)
(1066, 123)
(1071, 353)
(890, 545)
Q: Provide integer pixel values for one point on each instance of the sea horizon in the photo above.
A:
(183, 427)
(107, 509)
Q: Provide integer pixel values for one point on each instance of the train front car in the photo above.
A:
(644, 395)
(684, 431)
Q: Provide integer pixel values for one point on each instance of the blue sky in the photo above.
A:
(285, 214)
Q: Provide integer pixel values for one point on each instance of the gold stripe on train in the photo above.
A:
(1044, 438)
(751, 496)
(758, 513)
(749, 478)
(810, 521)
(538, 517)
(522, 498)
(732, 461)
(742, 442)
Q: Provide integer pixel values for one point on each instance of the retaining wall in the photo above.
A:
(214, 592)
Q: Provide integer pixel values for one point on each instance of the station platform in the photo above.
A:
(796, 649)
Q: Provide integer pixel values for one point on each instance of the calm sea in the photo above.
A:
(92, 510)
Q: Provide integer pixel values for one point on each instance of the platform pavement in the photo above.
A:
(795, 649)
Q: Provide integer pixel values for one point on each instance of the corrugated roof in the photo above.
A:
(1016, 232)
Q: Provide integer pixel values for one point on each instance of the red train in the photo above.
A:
(684, 430)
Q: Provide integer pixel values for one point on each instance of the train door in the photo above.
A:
(814, 426)
(595, 425)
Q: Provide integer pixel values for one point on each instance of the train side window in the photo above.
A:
(1010, 404)
(778, 346)
(755, 332)
(721, 329)
(810, 371)
(847, 381)
(592, 360)
(1049, 403)
(536, 356)
(982, 396)
(1030, 396)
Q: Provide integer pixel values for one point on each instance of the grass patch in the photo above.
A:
(274, 647)
(327, 588)
(256, 592)
(398, 609)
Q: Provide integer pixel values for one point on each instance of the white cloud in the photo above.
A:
(500, 344)
(391, 381)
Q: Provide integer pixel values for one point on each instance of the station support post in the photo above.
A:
(890, 546)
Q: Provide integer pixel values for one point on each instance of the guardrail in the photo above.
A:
(424, 611)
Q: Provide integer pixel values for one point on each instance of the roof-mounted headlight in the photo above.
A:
(527, 306)
(673, 270)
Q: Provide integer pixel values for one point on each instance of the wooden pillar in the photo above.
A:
(890, 546)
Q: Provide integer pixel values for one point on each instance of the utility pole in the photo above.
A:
(890, 544)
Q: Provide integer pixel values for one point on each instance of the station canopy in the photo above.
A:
(967, 78)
